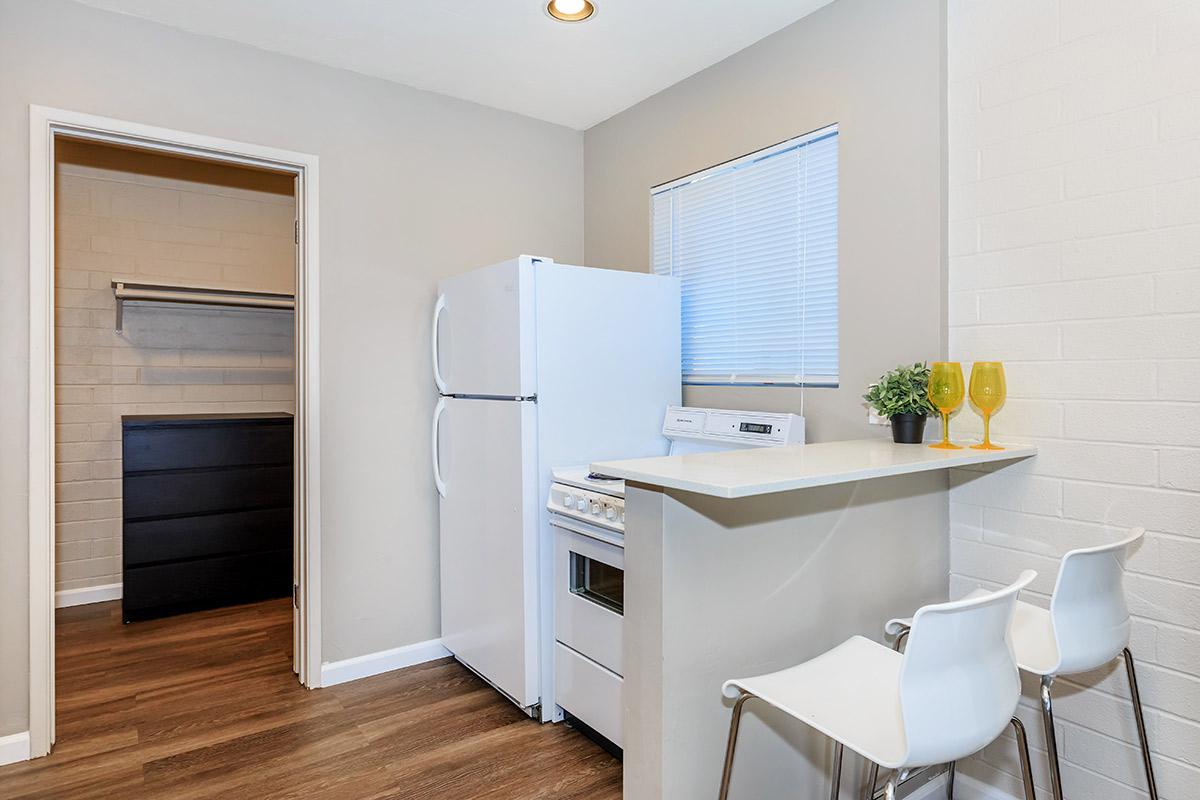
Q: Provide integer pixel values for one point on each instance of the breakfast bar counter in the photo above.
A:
(748, 561)
(755, 471)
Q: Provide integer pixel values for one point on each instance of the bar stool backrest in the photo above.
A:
(1088, 610)
(959, 683)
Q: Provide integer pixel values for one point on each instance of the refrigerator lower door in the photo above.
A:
(487, 457)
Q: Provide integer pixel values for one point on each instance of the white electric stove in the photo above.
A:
(587, 512)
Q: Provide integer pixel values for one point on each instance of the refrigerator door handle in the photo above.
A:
(438, 410)
(438, 308)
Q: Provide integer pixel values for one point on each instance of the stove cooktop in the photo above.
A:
(583, 478)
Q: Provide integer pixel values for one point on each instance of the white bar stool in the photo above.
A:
(951, 693)
(1086, 627)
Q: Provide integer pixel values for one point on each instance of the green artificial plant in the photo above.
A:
(904, 390)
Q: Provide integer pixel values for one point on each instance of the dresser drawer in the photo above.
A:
(181, 538)
(194, 444)
(192, 492)
(175, 588)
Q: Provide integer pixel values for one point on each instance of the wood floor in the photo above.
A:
(205, 706)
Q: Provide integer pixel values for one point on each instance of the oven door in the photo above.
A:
(589, 593)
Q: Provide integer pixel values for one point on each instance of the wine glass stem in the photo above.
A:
(945, 428)
(987, 435)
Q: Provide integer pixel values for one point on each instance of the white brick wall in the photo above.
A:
(121, 214)
(1075, 232)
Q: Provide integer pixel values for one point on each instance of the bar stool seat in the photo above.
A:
(1086, 627)
(850, 693)
(950, 694)
(1032, 635)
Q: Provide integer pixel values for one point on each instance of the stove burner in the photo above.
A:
(596, 476)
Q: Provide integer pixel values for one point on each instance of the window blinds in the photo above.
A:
(754, 242)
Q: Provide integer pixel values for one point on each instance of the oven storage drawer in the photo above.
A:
(588, 593)
(589, 692)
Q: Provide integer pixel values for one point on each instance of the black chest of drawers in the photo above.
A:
(207, 512)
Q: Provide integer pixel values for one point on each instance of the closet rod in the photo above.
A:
(125, 290)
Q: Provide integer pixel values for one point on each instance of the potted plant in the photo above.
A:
(902, 396)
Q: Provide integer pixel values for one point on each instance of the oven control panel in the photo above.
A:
(595, 508)
(724, 429)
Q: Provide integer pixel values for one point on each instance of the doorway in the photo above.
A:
(66, 330)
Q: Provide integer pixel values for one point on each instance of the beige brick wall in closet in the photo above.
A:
(123, 213)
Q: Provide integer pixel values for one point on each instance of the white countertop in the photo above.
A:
(763, 470)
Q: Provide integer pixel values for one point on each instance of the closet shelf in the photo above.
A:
(136, 290)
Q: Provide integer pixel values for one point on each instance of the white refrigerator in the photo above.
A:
(538, 365)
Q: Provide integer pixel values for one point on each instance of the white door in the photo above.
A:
(485, 466)
(483, 332)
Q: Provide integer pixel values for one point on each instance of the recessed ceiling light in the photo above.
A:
(570, 10)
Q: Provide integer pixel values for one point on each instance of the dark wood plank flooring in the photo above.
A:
(205, 705)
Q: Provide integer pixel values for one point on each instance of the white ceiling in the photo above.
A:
(502, 53)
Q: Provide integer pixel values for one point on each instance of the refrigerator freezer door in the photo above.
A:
(489, 520)
(483, 335)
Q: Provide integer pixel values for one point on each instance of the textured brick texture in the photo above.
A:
(156, 218)
(1075, 234)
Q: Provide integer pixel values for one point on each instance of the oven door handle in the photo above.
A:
(590, 531)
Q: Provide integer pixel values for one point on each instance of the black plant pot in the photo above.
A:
(908, 428)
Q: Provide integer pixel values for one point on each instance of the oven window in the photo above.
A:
(601, 583)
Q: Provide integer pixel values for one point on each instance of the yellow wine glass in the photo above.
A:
(987, 393)
(946, 394)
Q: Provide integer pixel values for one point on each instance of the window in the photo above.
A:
(754, 242)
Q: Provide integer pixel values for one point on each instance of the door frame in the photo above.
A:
(45, 124)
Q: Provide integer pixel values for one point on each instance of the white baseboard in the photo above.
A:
(351, 669)
(89, 594)
(969, 788)
(14, 748)
(965, 788)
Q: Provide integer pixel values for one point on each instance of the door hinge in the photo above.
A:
(297, 231)
(295, 595)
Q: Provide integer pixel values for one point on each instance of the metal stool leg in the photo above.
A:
(950, 770)
(734, 722)
(1141, 723)
(872, 781)
(838, 749)
(1051, 741)
(898, 777)
(873, 775)
(1023, 752)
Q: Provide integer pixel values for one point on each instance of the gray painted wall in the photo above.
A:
(875, 67)
(414, 186)
(406, 173)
